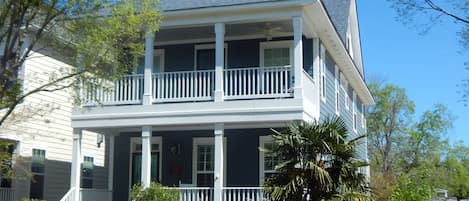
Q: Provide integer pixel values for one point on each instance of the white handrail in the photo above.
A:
(183, 86)
(257, 82)
(126, 90)
(69, 196)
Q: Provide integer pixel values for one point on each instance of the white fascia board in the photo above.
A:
(245, 111)
(355, 29)
(232, 14)
(330, 39)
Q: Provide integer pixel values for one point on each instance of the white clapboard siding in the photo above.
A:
(40, 126)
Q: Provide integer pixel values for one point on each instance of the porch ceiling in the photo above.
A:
(244, 30)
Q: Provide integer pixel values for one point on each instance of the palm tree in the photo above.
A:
(317, 163)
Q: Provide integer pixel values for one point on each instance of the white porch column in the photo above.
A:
(219, 161)
(110, 178)
(146, 156)
(219, 60)
(76, 163)
(316, 77)
(298, 56)
(147, 79)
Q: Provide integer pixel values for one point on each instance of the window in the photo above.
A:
(204, 57)
(277, 53)
(336, 79)
(363, 116)
(354, 112)
(136, 160)
(205, 164)
(38, 159)
(267, 163)
(344, 85)
(87, 172)
(323, 74)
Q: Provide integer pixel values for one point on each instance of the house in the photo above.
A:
(214, 80)
(40, 137)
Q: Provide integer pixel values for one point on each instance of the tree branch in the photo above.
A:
(42, 88)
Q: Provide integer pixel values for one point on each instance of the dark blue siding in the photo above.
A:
(244, 53)
(178, 57)
(242, 158)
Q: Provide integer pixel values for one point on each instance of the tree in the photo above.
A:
(318, 160)
(425, 140)
(101, 38)
(388, 120)
(387, 123)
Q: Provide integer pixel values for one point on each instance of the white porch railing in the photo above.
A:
(69, 196)
(195, 193)
(264, 82)
(183, 86)
(89, 194)
(239, 83)
(243, 194)
(126, 90)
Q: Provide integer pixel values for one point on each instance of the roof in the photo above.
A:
(169, 5)
(338, 11)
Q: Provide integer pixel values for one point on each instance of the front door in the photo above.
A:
(137, 167)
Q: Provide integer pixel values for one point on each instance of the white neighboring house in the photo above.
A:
(41, 134)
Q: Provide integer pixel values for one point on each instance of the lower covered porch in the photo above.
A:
(205, 163)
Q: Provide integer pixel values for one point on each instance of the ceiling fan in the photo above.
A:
(270, 30)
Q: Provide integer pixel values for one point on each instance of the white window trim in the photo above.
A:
(138, 140)
(156, 52)
(206, 141)
(208, 47)
(354, 113)
(262, 141)
(41, 147)
(363, 116)
(323, 79)
(160, 52)
(346, 96)
(275, 44)
(337, 93)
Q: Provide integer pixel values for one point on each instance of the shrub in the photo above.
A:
(156, 192)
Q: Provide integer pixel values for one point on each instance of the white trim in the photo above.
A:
(209, 47)
(160, 53)
(363, 116)
(337, 93)
(354, 113)
(206, 141)
(227, 39)
(262, 141)
(138, 140)
(275, 44)
(323, 78)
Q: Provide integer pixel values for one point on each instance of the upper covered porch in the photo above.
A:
(253, 57)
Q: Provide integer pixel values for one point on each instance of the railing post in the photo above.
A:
(146, 156)
(76, 163)
(219, 60)
(147, 91)
(219, 161)
(298, 57)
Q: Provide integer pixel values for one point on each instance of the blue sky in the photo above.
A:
(429, 66)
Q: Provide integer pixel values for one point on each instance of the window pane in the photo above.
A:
(276, 57)
(205, 180)
(37, 161)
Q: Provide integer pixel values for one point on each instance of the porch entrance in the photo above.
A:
(137, 168)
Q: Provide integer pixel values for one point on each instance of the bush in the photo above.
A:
(156, 192)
